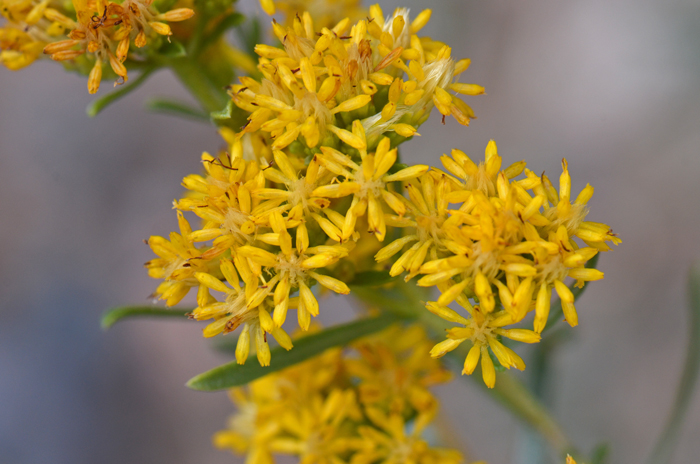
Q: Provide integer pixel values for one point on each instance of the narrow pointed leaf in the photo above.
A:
(175, 108)
(115, 315)
(371, 279)
(103, 102)
(669, 437)
(233, 374)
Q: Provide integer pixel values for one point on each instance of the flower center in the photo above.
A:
(571, 221)
(291, 268)
(300, 190)
(233, 222)
(366, 186)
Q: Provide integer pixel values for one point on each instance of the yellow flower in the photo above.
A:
(426, 212)
(256, 423)
(292, 268)
(294, 194)
(389, 441)
(483, 330)
(470, 176)
(397, 376)
(317, 85)
(572, 215)
(315, 431)
(368, 183)
(311, 410)
(223, 199)
(178, 261)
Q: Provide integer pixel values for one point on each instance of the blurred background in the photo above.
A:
(612, 85)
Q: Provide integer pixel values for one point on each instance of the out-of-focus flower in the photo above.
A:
(341, 408)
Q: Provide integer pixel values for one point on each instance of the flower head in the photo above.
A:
(502, 246)
(317, 85)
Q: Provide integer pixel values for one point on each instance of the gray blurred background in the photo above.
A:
(612, 85)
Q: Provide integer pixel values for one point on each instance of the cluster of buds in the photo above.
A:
(371, 404)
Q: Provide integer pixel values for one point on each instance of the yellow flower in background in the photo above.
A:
(29, 26)
(388, 440)
(317, 85)
(396, 376)
(330, 409)
(103, 30)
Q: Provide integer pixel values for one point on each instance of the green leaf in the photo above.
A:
(174, 49)
(101, 103)
(600, 454)
(371, 279)
(229, 21)
(225, 113)
(175, 108)
(669, 437)
(233, 374)
(555, 312)
(112, 316)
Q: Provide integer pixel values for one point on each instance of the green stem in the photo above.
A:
(195, 79)
(406, 300)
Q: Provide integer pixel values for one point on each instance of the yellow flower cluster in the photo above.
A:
(102, 29)
(370, 405)
(377, 73)
(507, 241)
(312, 186)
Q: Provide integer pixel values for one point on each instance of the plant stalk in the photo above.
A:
(197, 82)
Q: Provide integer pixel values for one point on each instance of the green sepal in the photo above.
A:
(173, 49)
(114, 315)
(234, 375)
(224, 113)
